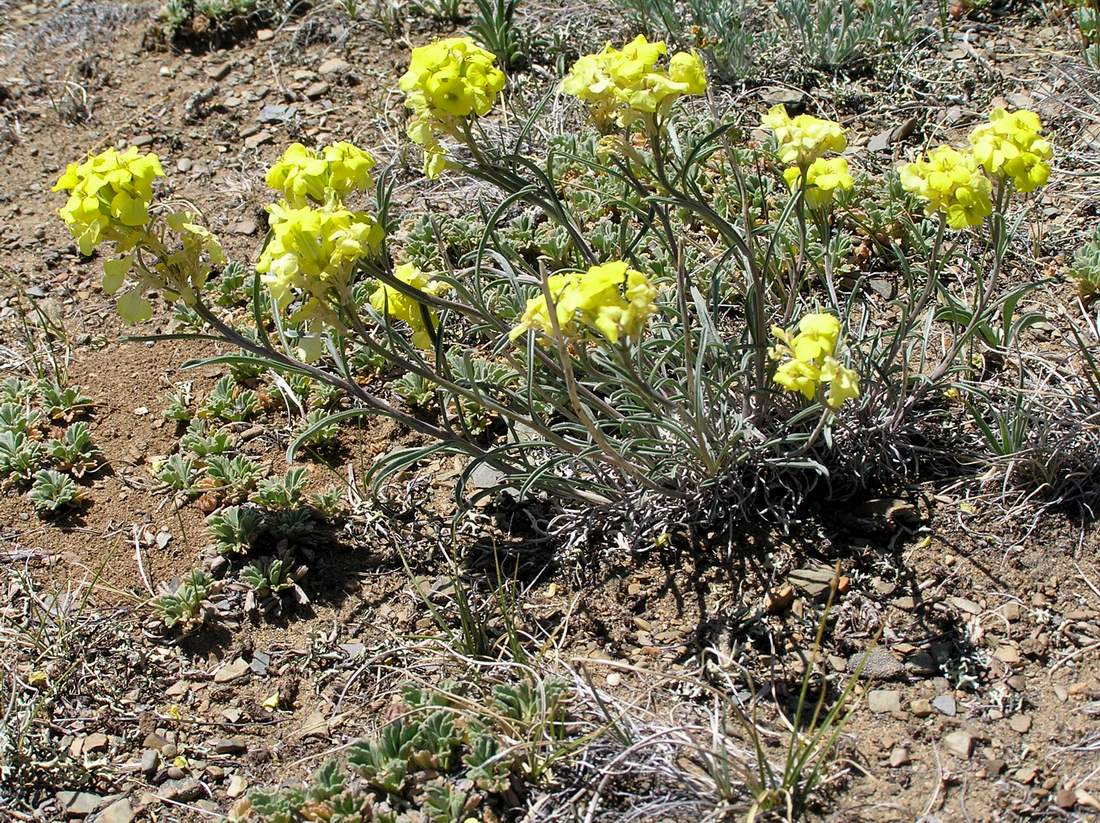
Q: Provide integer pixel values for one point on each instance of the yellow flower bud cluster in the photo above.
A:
(303, 175)
(394, 303)
(809, 365)
(447, 82)
(950, 182)
(824, 176)
(803, 139)
(621, 85)
(613, 299)
(109, 197)
(1010, 146)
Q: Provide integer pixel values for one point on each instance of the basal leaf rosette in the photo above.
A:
(803, 139)
(950, 183)
(111, 200)
(396, 304)
(1010, 146)
(808, 364)
(448, 83)
(311, 256)
(613, 300)
(625, 85)
(303, 175)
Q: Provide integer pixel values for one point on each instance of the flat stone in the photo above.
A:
(334, 67)
(78, 804)
(229, 745)
(921, 663)
(257, 140)
(95, 742)
(184, 164)
(1011, 612)
(1026, 774)
(142, 140)
(945, 704)
(155, 741)
(317, 90)
(237, 786)
(218, 72)
(880, 664)
(277, 113)
(1065, 798)
(884, 700)
(263, 35)
(899, 756)
(232, 671)
(959, 743)
(150, 759)
(244, 227)
(965, 605)
(920, 707)
(183, 790)
(1007, 654)
(118, 812)
(994, 766)
(1020, 723)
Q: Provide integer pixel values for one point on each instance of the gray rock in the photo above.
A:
(945, 704)
(78, 804)
(960, 743)
(899, 756)
(277, 113)
(232, 671)
(879, 666)
(118, 812)
(884, 700)
(334, 67)
(150, 759)
(182, 790)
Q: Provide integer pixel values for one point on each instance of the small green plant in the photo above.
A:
(186, 606)
(177, 472)
(19, 456)
(230, 476)
(228, 402)
(62, 402)
(18, 419)
(1085, 271)
(835, 35)
(315, 430)
(74, 452)
(233, 285)
(178, 407)
(1086, 15)
(53, 491)
(202, 443)
(270, 581)
(235, 528)
(494, 27)
(446, 10)
(282, 492)
(416, 390)
(328, 503)
(16, 390)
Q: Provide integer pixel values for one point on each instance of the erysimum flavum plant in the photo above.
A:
(685, 338)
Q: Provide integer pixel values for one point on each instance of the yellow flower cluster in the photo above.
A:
(803, 139)
(109, 196)
(303, 175)
(313, 251)
(623, 84)
(447, 82)
(396, 304)
(613, 299)
(809, 361)
(1010, 146)
(824, 176)
(950, 182)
